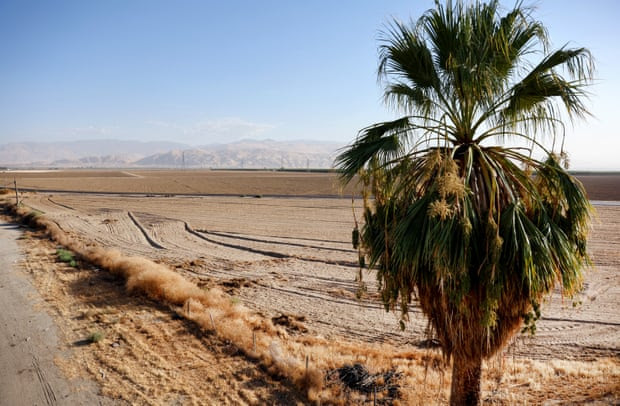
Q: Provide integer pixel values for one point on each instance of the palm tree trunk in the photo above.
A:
(465, 388)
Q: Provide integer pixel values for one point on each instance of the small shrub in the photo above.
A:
(66, 256)
(32, 215)
(95, 337)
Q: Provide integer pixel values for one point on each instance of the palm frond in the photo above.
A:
(403, 55)
(543, 84)
(409, 98)
(380, 142)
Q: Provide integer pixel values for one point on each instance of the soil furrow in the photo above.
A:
(286, 244)
(153, 243)
(60, 204)
(200, 233)
(236, 246)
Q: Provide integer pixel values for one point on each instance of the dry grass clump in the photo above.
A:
(304, 360)
(147, 356)
(523, 381)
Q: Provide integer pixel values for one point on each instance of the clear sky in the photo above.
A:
(203, 72)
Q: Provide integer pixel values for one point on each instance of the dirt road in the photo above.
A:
(29, 341)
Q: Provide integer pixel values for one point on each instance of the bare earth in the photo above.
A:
(293, 255)
(29, 341)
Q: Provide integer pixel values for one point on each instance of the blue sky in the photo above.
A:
(201, 72)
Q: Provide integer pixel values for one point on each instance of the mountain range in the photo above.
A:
(248, 154)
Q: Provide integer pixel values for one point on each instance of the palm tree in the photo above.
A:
(468, 207)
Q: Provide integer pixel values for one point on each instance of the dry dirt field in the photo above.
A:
(208, 182)
(186, 182)
(280, 243)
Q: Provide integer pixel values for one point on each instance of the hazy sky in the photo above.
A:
(201, 72)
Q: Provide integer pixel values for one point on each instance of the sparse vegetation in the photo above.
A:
(96, 336)
(32, 215)
(66, 256)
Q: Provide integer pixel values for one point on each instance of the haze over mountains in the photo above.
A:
(248, 154)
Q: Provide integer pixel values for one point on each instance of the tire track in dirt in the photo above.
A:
(201, 235)
(60, 204)
(328, 315)
(108, 228)
(301, 239)
(183, 245)
(288, 244)
(601, 323)
(150, 240)
(208, 236)
(274, 254)
(46, 388)
(327, 298)
(165, 230)
(115, 229)
(325, 287)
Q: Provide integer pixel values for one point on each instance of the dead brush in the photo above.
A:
(357, 377)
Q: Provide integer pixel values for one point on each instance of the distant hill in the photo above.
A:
(247, 154)
(305, 146)
(69, 154)
(108, 161)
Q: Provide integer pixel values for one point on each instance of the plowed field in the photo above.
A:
(292, 254)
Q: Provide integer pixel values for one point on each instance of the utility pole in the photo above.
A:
(16, 192)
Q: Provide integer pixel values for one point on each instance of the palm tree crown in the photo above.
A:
(476, 228)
